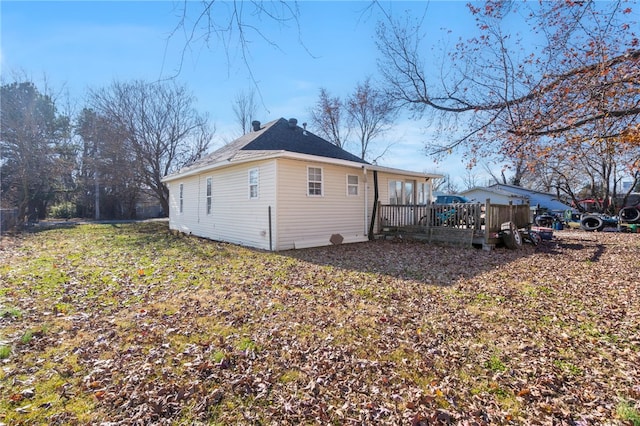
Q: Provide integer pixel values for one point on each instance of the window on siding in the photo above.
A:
(423, 193)
(181, 197)
(408, 193)
(401, 192)
(395, 192)
(352, 185)
(314, 179)
(254, 181)
(209, 181)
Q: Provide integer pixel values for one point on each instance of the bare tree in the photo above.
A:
(470, 179)
(164, 130)
(326, 118)
(371, 113)
(445, 184)
(231, 24)
(245, 108)
(580, 88)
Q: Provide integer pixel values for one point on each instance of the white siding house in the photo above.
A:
(280, 187)
(496, 195)
(503, 194)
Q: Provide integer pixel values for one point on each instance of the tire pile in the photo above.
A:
(627, 215)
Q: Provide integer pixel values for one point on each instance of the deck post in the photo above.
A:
(511, 211)
(488, 223)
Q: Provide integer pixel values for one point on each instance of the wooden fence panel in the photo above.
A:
(497, 214)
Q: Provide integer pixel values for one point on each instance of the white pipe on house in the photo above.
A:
(199, 196)
(366, 201)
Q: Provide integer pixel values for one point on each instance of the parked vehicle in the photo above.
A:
(451, 199)
(456, 210)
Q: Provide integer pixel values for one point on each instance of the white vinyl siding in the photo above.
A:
(254, 183)
(352, 185)
(314, 181)
(234, 217)
(311, 220)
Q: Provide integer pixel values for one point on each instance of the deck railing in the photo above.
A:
(484, 219)
(466, 216)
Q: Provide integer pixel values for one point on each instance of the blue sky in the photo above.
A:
(81, 45)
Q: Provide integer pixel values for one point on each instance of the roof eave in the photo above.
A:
(296, 156)
(404, 172)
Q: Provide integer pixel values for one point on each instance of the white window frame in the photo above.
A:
(314, 182)
(209, 196)
(353, 186)
(254, 184)
(181, 198)
(399, 188)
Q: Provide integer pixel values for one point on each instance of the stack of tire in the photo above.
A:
(630, 214)
(597, 223)
(591, 223)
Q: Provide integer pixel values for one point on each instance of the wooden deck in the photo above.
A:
(457, 224)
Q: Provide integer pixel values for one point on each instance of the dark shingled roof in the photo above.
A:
(276, 135)
(279, 135)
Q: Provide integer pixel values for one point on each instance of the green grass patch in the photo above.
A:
(5, 351)
(10, 312)
(495, 364)
(628, 413)
(26, 337)
(246, 344)
(289, 376)
(568, 367)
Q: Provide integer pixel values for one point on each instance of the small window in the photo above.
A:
(181, 197)
(352, 185)
(314, 179)
(254, 180)
(209, 181)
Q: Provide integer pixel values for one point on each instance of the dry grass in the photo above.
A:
(129, 323)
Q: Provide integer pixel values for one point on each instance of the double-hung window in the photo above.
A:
(209, 181)
(314, 181)
(352, 185)
(254, 181)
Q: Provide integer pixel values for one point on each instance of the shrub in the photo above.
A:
(64, 210)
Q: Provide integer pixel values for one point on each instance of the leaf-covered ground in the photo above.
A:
(122, 324)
